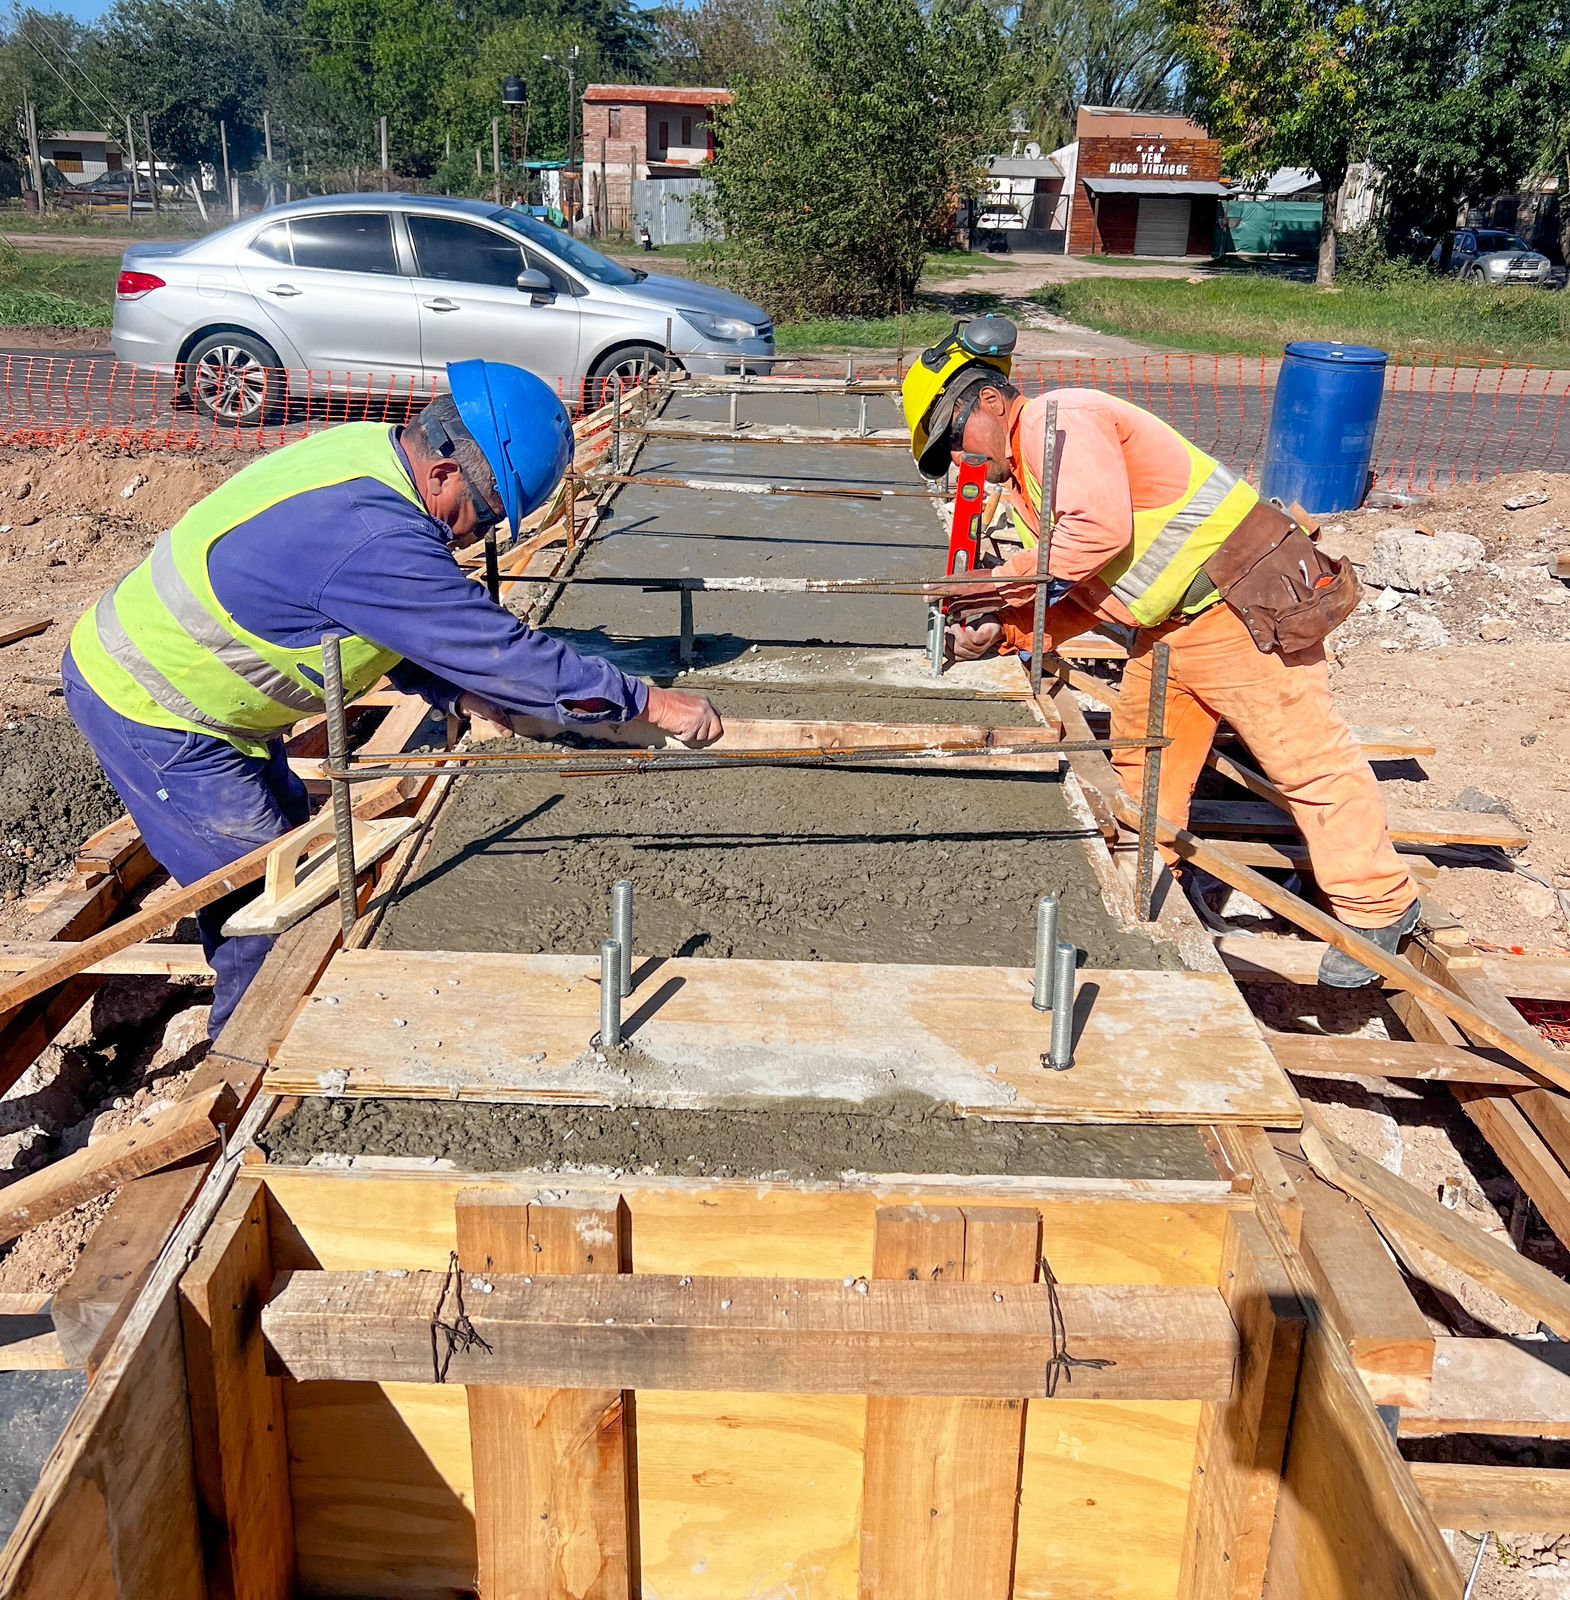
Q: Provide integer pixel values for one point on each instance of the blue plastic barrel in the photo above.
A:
(1322, 425)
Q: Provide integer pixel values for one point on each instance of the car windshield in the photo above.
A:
(1493, 239)
(565, 248)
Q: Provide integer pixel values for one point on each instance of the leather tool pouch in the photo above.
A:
(1289, 593)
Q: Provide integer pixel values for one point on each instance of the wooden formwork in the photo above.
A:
(281, 1409)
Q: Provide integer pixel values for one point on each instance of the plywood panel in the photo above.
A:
(739, 1495)
(1162, 1047)
(1104, 1499)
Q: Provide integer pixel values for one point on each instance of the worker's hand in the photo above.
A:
(971, 641)
(486, 721)
(688, 717)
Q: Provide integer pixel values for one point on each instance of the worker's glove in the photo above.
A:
(486, 721)
(971, 641)
(690, 718)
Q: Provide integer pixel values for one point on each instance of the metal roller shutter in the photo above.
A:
(1162, 229)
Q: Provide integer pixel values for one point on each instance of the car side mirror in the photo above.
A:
(533, 282)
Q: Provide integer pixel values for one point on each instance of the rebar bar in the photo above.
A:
(337, 759)
(1150, 790)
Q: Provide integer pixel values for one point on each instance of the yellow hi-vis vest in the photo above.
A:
(1161, 572)
(162, 650)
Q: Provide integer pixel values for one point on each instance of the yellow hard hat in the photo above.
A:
(942, 375)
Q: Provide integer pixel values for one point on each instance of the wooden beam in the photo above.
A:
(1314, 1055)
(237, 1417)
(150, 960)
(1399, 973)
(1495, 1499)
(551, 1502)
(29, 1344)
(1518, 1388)
(90, 1305)
(375, 800)
(21, 627)
(1237, 1463)
(1425, 1223)
(755, 1335)
(1253, 819)
(940, 1478)
(149, 1144)
(1364, 1295)
(1529, 977)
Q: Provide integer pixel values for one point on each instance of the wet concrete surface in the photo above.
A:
(787, 1139)
(53, 795)
(769, 864)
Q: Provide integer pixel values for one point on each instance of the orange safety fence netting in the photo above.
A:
(1440, 423)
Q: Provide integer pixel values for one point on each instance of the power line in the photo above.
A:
(39, 19)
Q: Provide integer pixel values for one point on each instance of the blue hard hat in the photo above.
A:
(520, 425)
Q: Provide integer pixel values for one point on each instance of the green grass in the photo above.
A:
(924, 324)
(109, 224)
(25, 308)
(41, 288)
(1257, 315)
(957, 264)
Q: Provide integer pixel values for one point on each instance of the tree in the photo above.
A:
(50, 59)
(1286, 83)
(720, 41)
(1465, 88)
(834, 174)
(1097, 53)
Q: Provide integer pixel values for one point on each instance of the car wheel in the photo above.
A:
(631, 365)
(235, 378)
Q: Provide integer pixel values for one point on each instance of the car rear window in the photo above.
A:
(273, 242)
(357, 241)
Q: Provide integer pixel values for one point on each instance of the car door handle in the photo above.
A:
(442, 305)
(284, 290)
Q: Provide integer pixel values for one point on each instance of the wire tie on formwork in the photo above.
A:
(1061, 1364)
(460, 1335)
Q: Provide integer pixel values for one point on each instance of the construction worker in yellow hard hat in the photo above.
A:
(1145, 531)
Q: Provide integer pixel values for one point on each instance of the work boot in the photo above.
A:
(1337, 970)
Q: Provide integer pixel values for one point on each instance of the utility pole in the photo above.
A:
(479, 163)
(382, 124)
(152, 163)
(267, 145)
(130, 198)
(223, 139)
(234, 198)
(34, 157)
(572, 108)
(496, 159)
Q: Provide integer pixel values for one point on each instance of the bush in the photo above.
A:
(835, 173)
(1364, 259)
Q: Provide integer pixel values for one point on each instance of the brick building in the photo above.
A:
(1140, 183)
(636, 132)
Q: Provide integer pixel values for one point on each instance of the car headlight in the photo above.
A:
(726, 329)
(1497, 267)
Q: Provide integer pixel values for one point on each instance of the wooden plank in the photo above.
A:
(20, 626)
(1544, 977)
(1495, 1499)
(111, 847)
(90, 1305)
(149, 1144)
(151, 960)
(941, 1478)
(1363, 1294)
(1314, 1055)
(755, 1335)
(375, 800)
(1237, 1468)
(504, 1027)
(1258, 819)
(1518, 1388)
(29, 1028)
(29, 1344)
(1398, 972)
(237, 1424)
(550, 1465)
(1562, 564)
(1424, 1222)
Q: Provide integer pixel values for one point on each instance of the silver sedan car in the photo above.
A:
(382, 291)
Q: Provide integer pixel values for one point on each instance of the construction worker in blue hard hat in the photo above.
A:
(185, 676)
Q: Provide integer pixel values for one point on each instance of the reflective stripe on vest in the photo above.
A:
(161, 648)
(1154, 577)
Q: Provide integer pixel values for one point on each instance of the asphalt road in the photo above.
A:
(1438, 425)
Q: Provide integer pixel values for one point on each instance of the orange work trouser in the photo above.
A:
(1281, 708)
